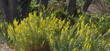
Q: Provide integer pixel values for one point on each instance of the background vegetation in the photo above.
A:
(55, 30)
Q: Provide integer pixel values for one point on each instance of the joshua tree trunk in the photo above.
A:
(71, 7)
(86, 5)
(13, 8)
(100, 5)
(4, 6)
(9, 8)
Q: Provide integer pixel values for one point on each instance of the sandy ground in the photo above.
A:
(5, 47)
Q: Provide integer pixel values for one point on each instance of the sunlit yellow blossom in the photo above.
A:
(74, 49)
(1, 25)
(15, 23)
(87, 45)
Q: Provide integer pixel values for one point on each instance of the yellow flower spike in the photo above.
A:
(15, 23)
(81, 17)
(35, 14)
(108, 30)
(30, 17)
(1, 25)
(66, 27)
(74, 49)
(86, 26)
(11, 32)
(41, 14)
(42, 23)
(31, 26)
(27, 19)
(51, 38)
(87, 45)
(19, 30)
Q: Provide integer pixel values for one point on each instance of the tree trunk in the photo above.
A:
(100, 5)
(5, 9)
(13, 8)
(86, 5)
(71, 7)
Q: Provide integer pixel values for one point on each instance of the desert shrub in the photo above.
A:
(0, 30)
(36, 33)
(33, 32)
(83, 36)
(3, 26)
(103, 24)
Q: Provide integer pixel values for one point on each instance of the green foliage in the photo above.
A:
(33, 5)
(106, 1)
(87, 33)
(1, 25)
(84, 35)
(34, 30)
